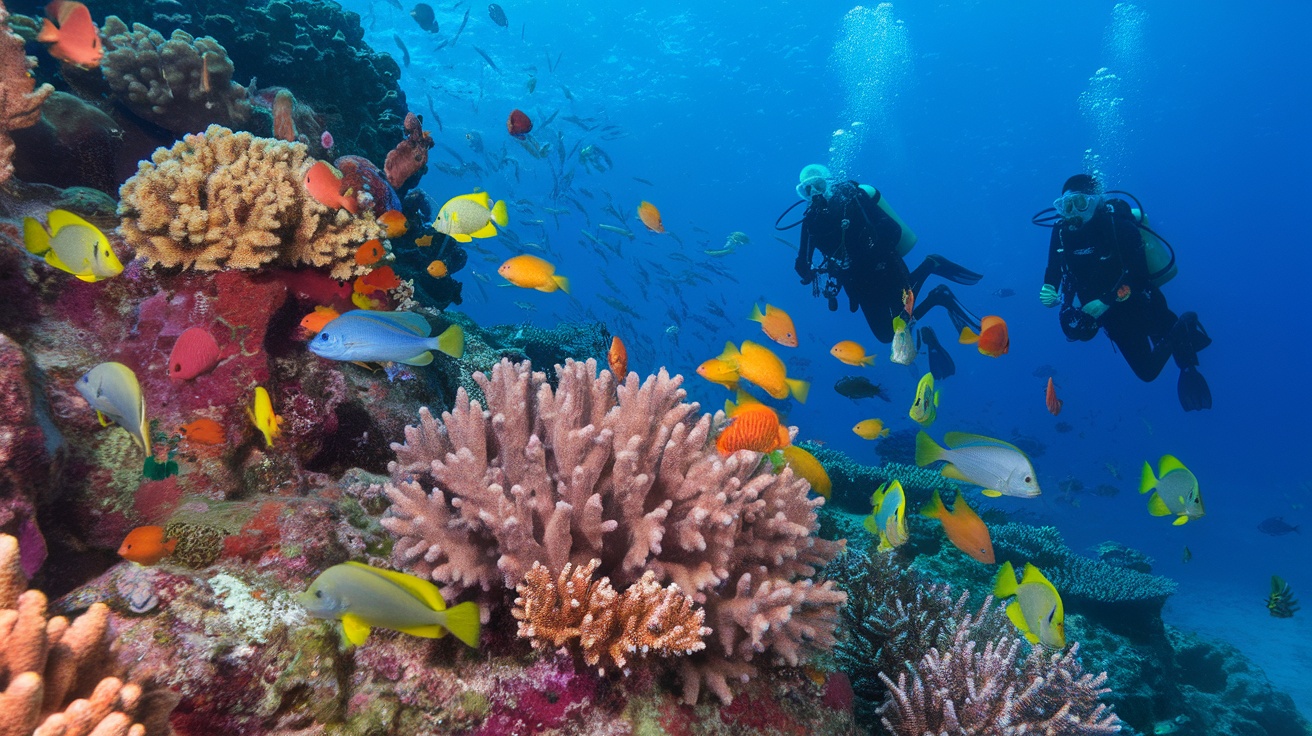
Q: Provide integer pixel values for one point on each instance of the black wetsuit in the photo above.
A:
(1099, 258)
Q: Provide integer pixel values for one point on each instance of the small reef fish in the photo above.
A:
(113, 391)
(314, 321)
(1186, 555)
(470, 216)
(860, 387)
(203, 432)
(394, 223)
(370, 253)
(1050, 398)
(261, 413)
(807, 466)
(719, 371)
(437, 269)
(870, 429)
(72, 245)
(531, 272)
(851, 353)
(1174, 490)
(964, 528)
(758, 365)
(904, 345)
(379, 279)
(650, 216)
(618, 358)
(992, 339)
(361, 597)
(1001, 469)
(752, 426)
(888, 516)
(146, 545)
(776, 324)
(1037, 610)
(425, 17)
(1276, 526)
(73, 37)
(518, 124)
(324, 184)
(194, 354)
(399, 337)
(924, 409)
(497, 15)
(424, 241)
(1281, 603)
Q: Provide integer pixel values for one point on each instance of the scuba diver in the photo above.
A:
(1103, 253)
(862, 242)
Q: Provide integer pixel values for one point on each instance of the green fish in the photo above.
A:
(1037, 611)
(1174, 488)
(361, 597)
(113, 391)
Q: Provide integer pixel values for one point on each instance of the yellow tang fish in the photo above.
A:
(924, 410)
(262, 416)
(72, 245)
(470, 216)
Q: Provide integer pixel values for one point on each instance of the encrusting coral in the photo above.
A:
(20, 99)
(46, 662)
(181, 84)
(626, 475)
(224, 200)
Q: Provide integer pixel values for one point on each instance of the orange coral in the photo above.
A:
(20, 99)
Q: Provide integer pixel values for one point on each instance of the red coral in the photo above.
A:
(410, 155)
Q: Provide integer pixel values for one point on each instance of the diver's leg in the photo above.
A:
(1132, 327)
(877, 314)
(1186, 339)
(942, 296)
(936, 265)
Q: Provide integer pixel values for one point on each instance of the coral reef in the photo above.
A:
(410, 155)
(20, 98)
(181, 83)
(231, 200)
(623, 474)
(74, 143)
(854, 482)
(1223, 692)
(28, 443)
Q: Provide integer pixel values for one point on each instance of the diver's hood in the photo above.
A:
(813, 180)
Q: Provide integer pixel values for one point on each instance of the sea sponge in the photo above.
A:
(20, 100)
(223, 200)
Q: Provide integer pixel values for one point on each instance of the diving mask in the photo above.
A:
(1077, 206)
(811, 187)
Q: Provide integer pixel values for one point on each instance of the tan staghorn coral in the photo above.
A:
(224, 200)
(181, 83)
(627, 475)
(46, 663)
(20, 99)
(609, 626)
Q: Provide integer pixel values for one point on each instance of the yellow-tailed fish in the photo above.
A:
(1000, 468)
(1037, 611)
(113, 391)
(1174, 488)
(367, 336)
(261, 413)
(531, 272)
(72, 245)
(870, 429)
(470, 216)
(924, 410)
(719, 371)
(362, 597)
(759, 365)
(888, 515)
(806, 465)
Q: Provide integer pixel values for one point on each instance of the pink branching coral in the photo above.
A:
(626, 475)
(20, 100)
(967, 692)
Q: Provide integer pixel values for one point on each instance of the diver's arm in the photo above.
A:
(1052, 274)
(804, 250)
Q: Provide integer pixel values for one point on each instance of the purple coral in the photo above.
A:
(625, 474)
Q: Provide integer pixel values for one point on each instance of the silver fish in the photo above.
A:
(904, 346)
(113, 391)
(1001, 469)
(400, 337)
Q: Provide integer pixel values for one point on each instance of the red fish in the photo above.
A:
(326, 187)
(379, 279)
(518, 124)
(754, 427)
(146, 545)
(618, 357)
(76, 39)
(203, 432)
(1054, 403)
(908, 301)
(992, 339)
(394, 222)
(194, 353)
(370, 253)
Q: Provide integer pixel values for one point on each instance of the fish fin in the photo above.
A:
(961, 439)
(427, 631)
(1032, 575)
(1180, 520)
(354, 629)
(48, 34)
(1167, 464)
(934, 509)
(86, 276)
(499, 215)
(483, 198)
(899, 324)
(1005, 585)
(410, 322)
(968, 336)
(799, 388)
(423, 358)
(1147, 481)
(101, 416)
(422, 590)
(487, 231)
(561, 282)
(927, 450)
(953, 472)
(991, 493)
(463, 621)
(756, 316)
(452, 341)
(60, 219)
(1017, 617)
(1156, 506)
(35, 236)
(730, 354)
(868, 360)
(460, 237)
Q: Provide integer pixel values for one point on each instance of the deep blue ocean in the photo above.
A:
(968, 116)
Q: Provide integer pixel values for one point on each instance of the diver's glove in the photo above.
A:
(803, 269)
(1048, 296)
(1095, 308)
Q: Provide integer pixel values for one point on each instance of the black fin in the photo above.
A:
(1193, 390)
(940, 362)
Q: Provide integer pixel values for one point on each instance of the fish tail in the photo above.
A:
(756, 314)
(927, 450)
(48, 34)
(452, 341)
(561, 282)
(35, 236)
(968, 336)
(1147, 481)
(868, 360)
(499, 215)
(935, 508)
(462, 620)
(1005, 586)
(799, 388)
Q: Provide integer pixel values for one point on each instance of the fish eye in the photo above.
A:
(1028, 479)
(323, 335)
(318, 594)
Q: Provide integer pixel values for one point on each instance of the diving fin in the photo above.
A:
(942, 296)
(950, 271)
(1193, 390)
(940, 362)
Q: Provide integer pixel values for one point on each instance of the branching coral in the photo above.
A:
(221, 200)
(20, 99)
(47, 663)
(626, 475)
(181, 84)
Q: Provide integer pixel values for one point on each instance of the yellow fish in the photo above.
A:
(262, 416)
(1037, 611)
(888, 517)
(72, 245)
(1175, 492)
(870, 429)
(362, 597)
(719, 371)
(531, 272)
(757, 364)
(807, 466)
(470, 216)
(851, 352)
(924, 410)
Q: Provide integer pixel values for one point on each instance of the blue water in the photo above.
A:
(976, 123)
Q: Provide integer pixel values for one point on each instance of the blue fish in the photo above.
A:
(399, 337)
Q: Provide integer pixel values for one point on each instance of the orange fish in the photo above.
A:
(618, 357)
(76, 39)
(964, 527)
(146, 545)
(531, 272)
(753, 427)
(1054, 403)
(394, 222)
(203, 432)
(370, 253)
(651, 217)
(437, 269)
(325, 185)
(851, 352)
(757, 364)
(992, 339)
(379, 279)
(776, 324)
(314, 321)
(908, 301)
(719, 371)
(424, 241)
